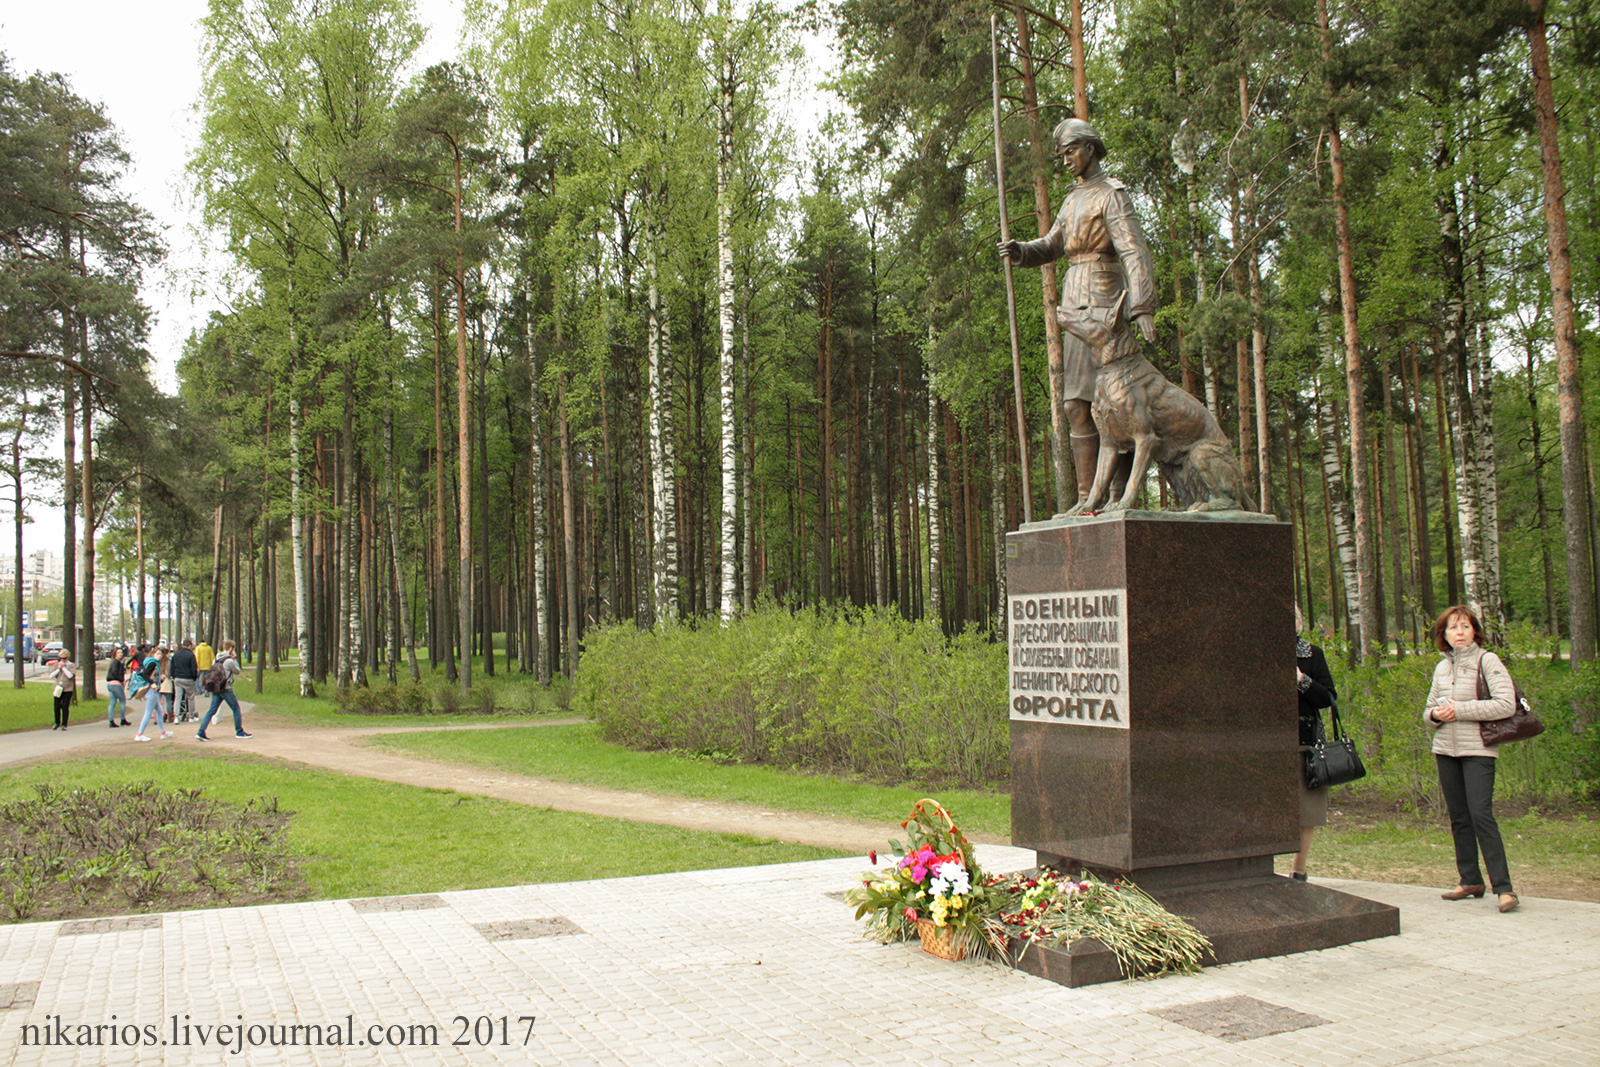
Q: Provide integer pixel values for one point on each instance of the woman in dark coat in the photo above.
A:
(1315, 683)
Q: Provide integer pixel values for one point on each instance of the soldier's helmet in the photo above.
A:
(1071, 131)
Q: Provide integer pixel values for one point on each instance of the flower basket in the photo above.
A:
(940, 941)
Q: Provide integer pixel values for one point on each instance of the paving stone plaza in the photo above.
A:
(765, 965)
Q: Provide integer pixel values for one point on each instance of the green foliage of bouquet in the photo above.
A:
(935, 879)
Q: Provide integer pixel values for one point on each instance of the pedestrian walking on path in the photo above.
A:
(154, 670)
(219, 682)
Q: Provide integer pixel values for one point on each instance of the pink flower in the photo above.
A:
(910, 914)
(918, 872)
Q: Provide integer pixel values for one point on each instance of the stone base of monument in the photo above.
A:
(1247, 913)
(1154, 728)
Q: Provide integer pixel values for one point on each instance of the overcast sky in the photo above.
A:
(141, 62)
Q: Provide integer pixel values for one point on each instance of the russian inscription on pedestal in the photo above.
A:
(1069, 657)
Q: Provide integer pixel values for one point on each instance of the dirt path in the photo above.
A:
(339, 748)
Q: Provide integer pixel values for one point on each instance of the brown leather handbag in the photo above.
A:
(1519, 726)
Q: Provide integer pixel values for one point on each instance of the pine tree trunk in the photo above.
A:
(1066, 481)
(1574, 487)
(86, 657)
(463, 459)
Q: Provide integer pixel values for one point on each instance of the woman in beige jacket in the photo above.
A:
(1466, 765)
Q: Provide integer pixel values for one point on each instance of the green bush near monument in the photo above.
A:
(873, 695)
(866, 693)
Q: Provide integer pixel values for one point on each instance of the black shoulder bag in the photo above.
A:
(1333, 762)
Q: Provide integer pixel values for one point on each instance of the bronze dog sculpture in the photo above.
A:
(1136, 409)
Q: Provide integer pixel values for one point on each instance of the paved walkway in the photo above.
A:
(766, 966)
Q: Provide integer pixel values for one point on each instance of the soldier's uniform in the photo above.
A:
(1098, 233)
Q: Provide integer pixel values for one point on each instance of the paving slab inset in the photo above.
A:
(18, 995)
(1238, 1018)
(518, 929)
(419, 902)
(109, 926)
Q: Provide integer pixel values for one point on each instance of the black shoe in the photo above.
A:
(243, 735)
(57, 726)
(112, 725)
(202, 737)
(125, 722)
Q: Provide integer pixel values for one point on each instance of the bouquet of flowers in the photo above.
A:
(935, 881)
(1044, 907)
(934, 889)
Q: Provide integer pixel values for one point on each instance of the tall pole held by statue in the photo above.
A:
(1011, 289)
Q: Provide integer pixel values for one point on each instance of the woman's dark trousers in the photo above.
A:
(1468, 786)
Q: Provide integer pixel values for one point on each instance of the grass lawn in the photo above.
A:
(360, 837)
(576, 754)
(29, 707)
(1552, 856)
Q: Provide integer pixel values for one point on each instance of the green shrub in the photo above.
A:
(868, 693)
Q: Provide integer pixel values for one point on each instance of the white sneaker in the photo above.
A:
(141, 737)
(166, 733)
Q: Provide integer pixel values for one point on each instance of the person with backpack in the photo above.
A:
(185, 675)
(65, 674)
(218, 681)
(152, 671)
(1466, 765)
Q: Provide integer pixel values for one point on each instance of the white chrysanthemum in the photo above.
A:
(950, 877)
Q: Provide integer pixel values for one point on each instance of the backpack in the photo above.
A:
(216, 679)
(137, 686)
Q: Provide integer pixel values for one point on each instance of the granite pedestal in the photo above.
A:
(1154, 728)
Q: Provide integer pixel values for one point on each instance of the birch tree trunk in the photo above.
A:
(729, 532)
(663, 457)
(297, 549)
(1333, 478)
(1484, 470)
(537, 499)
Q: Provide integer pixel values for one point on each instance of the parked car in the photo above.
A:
(11, 647)
(103, 649)
(51, 652)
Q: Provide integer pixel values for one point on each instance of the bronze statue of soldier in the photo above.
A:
(1109, 262)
